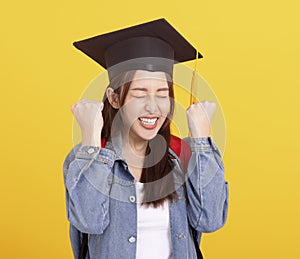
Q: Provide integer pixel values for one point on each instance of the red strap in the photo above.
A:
(182, 150)
(103, 142)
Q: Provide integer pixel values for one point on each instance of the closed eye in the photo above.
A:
(139, 96)
(138, 92)
(163, 93)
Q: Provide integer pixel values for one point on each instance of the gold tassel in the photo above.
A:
(193, 92)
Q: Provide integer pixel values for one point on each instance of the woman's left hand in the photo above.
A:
(199, 116)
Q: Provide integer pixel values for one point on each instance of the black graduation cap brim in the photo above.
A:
(148, 42)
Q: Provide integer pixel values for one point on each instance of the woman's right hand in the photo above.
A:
(88, 113)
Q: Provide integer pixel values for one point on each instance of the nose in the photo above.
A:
(151, 104)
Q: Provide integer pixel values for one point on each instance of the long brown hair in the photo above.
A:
(159, 183)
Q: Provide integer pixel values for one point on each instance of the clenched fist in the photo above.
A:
(88, 114)
(199, 116)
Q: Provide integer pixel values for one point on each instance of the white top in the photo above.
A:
(153, 229)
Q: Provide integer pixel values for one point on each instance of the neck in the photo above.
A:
(133, 150)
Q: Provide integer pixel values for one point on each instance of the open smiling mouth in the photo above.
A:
(148, 123)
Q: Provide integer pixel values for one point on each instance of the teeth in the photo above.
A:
(148, 121)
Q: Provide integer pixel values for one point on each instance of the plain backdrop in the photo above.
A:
(251, 60)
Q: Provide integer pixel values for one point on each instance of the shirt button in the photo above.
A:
(132, 198)
(132, 239)
(91, 150)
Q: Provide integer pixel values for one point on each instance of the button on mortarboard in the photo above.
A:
(152, 46)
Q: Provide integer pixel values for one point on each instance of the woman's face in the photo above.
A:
(146, 105)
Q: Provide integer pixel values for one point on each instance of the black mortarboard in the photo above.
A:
(152, 46)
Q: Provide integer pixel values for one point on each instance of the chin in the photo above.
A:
(146, 136)
(149, 137)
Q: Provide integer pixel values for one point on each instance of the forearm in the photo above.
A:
(207, 189)
(87, 187)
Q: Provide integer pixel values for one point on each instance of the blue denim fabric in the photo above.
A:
(100, 200)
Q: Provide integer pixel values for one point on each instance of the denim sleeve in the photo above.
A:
(207, 191)
(87, 175)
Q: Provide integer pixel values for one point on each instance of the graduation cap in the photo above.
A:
(151, 46)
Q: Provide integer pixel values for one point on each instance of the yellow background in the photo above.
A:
(252, 54)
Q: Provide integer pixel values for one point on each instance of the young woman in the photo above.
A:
(132, 188)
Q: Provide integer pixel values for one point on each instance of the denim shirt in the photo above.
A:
(100, 200)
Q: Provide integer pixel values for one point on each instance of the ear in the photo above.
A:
(113, 98)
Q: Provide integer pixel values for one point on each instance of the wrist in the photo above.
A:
(200, 134)
(91, 139)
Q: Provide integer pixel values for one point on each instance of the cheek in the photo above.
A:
(164, 107)
(130, 111)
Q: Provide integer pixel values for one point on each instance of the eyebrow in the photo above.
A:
(145, 89)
